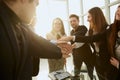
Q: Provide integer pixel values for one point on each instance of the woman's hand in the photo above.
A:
(114, 62)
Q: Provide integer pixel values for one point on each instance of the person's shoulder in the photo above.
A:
(49, 34)
(82, 25)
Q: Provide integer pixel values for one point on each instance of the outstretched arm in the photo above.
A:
(41, 47)
(85, 39)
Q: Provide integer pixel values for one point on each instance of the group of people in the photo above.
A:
(104, 39)
(20, 47)
(99, 37)
(81, 52)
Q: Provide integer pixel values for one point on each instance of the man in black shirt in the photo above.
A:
(81, 52)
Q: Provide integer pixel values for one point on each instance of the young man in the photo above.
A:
(81, 52)
(18, 44)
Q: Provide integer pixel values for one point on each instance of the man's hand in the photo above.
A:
(66, 49)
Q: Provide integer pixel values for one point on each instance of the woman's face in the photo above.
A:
(89, 18)
(118, 14)
(57, 25)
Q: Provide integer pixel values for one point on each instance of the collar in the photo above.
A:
(77, 29)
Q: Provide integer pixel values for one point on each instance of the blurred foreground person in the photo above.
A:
(18, 44)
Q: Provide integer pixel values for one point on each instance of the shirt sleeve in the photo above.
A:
(78, 44)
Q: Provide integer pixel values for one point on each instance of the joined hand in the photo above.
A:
(66, 49)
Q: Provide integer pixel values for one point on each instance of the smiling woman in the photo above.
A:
(47, 11)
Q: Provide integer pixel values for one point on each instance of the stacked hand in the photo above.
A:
(66, 48)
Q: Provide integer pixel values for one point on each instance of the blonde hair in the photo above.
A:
(62, 31)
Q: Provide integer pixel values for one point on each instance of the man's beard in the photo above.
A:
(74, 26)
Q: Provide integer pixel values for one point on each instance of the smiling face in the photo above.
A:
(74, 22)
(57, 25)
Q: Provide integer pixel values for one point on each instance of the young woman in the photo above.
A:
(114, 41)
(56, 33)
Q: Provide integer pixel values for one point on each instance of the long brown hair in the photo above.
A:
(99, 22)
(112, 36)
(98, 19)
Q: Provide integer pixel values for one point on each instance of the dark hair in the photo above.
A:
(99, 22)
(7, 1)
(112, 36)
(118, 6)
(74, 15)
(98, 19)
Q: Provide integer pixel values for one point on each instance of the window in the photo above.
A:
(112, 0)
(86, 23)
(87, 4)
(112, 12)
(47, 11)
(74, 7)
